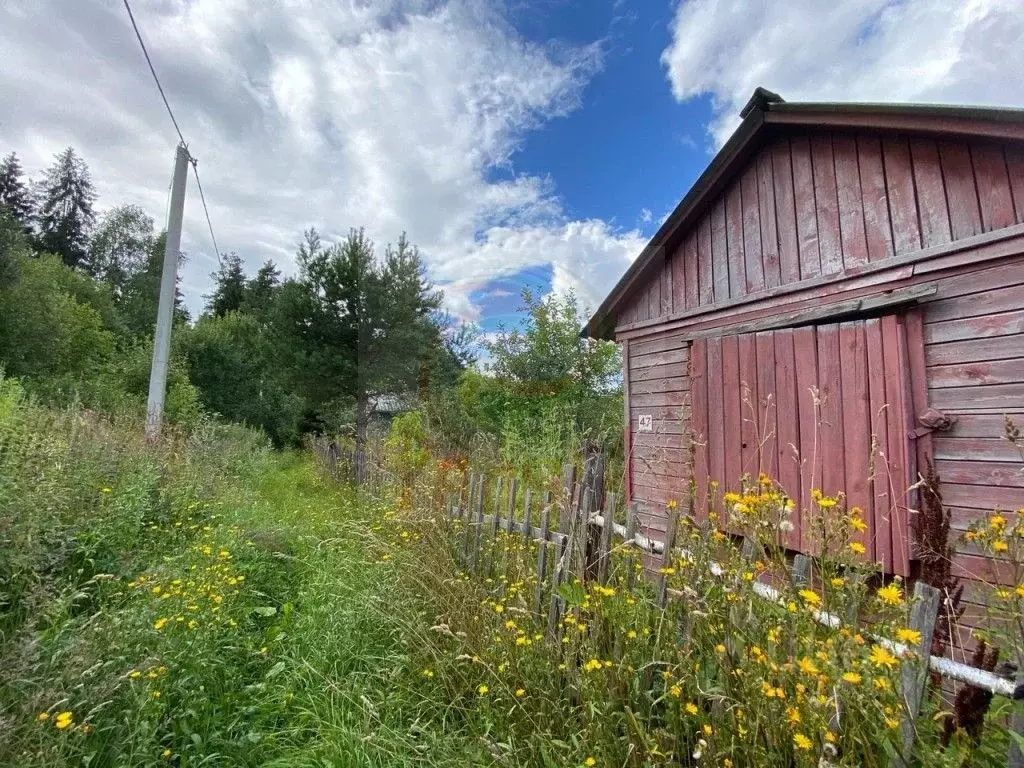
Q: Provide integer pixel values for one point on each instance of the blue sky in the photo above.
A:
(516, 142)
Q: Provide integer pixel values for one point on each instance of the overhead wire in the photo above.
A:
(192, 159)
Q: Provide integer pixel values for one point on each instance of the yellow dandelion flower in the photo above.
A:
(43, 716)
(691, 708)
(890, 594)
(63, 720)
(520, 692)
(631, 635)
(675, 691)
(997, 522)
(858, 525)
(892, 722)
(590, 762)
(166, 754)
(852, 678)
(801, 742)
(160, 623)
(708, 730)
(857, 548)
(810, 597)
(719, 648)
(908, 636)
(1000, 546)
(880, 683)
(808, 667)
(880, 657)
(482, 689)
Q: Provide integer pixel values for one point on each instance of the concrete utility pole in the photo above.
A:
(165, 312)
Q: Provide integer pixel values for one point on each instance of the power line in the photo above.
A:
(153, 71)
(192, 159)
(202, 197)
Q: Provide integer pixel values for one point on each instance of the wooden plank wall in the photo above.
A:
(973, 334)
(659, 386)
(830, 203)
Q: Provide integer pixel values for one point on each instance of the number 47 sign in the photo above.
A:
(645, 423)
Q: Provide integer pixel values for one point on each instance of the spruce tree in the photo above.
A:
(66, 212)
(230, 291)
(14, 193)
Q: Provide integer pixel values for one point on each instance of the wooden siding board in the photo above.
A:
(699, 393)
(856, 409)
(827, 203)
(753, 266)
(678, 301)
(878, 410)
(767, 405)
(665, 343)
(961, 192)
(668, 357)
(972, 329)
(831, 441)
(670, 384)
(729, 381)
(851, 205)
(788, 427)
(977, 299)
(785, 214)
(667, 290)
(877, 227)
(985, 425)
(976, 373)
(989, 396)
(746, 401)
(769, 226)
(735, 241)
(1015, 169)
(654, 297)
(691, 292)
(995, 473)
(898, 458)
(805, 350)
(975, 448)
(705, 268)
(628, 429)
(979, 349)
(931, 193)
(993, 184)
(899, 182)
(806, 213)
(719, 253)
(718, 434)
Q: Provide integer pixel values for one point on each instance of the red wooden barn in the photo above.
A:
(872, 253)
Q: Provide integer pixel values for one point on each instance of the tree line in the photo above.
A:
(320, 351)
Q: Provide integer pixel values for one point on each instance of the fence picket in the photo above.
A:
(467, 516)
(492, 534)
(542, 551)
(666, 556)
(527, 528)
(557, 574)
(631, 518)
(914, 674)
(478, 524)
(604, 546)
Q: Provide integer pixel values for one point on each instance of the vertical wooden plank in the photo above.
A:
(691, 282)
(805, 350)
(879, 515)
(667, 555)
(748, 405)
(769, 227)
(1015, 757)
(961, 194)
(627, 436)
(735, 241)
(826, 198)
(566, 502)
(915, 398)
(730, 433)
(768, 455)
(478, 526)
(993, 185)
(558, 569)
(1015, 169)
(699, 424)
(751, 232)
(705, 269)
(856, 406)
(892, 351)
(470, 517)
(542, 551)
(718, 437)
(492, 534)
(666, 285)
(788, 427)
(654, 293)
(584, 555)
(605, 542)
(719, 252)
(832, 442)
(899, 184)
(931, 193)
(914, 671)
(679, 279)
(785, 214)
(527, 527)
(631, 518)
(513, 492)
(877, 227)
(851, 204)
(806, 212)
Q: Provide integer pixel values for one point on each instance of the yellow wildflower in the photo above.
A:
(1000, 546)
(880, 683)
(810, 597)
(808, 667)
(43, 716)
(880, 657)
(858, 525)
(793, 715)
(165, 754)
(708, 730)
(801, 741)
(691, 708)
(908, 636)
(520, 692)
(64, 719)
(482, 689)
(160, 623)
(852, 678)
(857, 548)
(997, 522)
(590, 762)
(890, 594)
(675, 691)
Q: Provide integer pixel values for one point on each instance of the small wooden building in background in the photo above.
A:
(872, 254)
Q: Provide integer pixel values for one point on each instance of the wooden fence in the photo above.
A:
(575, 532)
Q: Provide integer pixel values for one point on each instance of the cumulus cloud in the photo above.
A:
(390, 114)
(963, 51)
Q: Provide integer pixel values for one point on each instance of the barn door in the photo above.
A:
(815, 407)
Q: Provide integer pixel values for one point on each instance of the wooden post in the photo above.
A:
(478, 525)
(1015, 759)
(566, 502)
(666, 556)
(914, 673)
(604, 546)
(581, 534)
(493, 533)
(527, 528)
(467, 516)
(555, 612)
(542, 551)
(513, 491)
(631, 517)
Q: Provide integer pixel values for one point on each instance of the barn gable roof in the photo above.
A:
(767, 114)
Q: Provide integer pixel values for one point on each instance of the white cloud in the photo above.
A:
(963, 51)
(390, 114)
